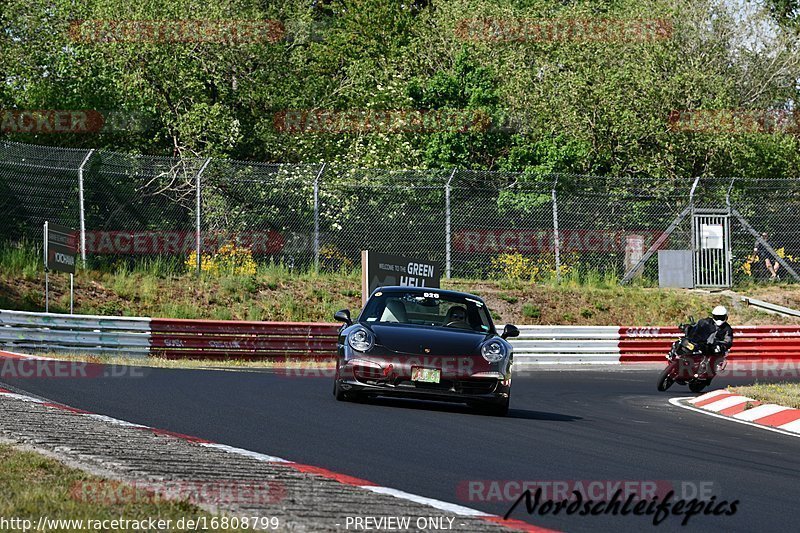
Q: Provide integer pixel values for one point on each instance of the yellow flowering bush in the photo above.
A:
(750, 260)
(513, 265)
(331, 258)
(783, 255)
(228, 260)
(747, 265)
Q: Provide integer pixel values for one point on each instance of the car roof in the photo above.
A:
(396, 288)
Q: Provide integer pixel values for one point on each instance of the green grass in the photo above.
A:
(22, 260)
(531, 311)
(160, 287)
(787, 394)
(34, 486)
(160, 362)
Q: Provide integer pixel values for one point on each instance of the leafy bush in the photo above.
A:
(228, 260)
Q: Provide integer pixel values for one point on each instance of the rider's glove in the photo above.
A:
(717, 348)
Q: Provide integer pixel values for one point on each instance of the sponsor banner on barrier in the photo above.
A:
(671, 332)
(527, 241)
(179, 242)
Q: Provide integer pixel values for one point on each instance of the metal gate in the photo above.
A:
(711, 243)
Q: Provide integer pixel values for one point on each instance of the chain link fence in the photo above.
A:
(476, 224)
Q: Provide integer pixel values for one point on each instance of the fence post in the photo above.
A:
(197, 207)
(82, 214)
(316, 216)
(447, 227)
(556, 239)
(728, 195)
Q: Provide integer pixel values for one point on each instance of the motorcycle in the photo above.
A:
(690, 362)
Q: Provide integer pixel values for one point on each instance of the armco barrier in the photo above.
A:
(223, 339)
(566, 344)
(103, 335)
(170, 338)
(538, 345)
(749, 343)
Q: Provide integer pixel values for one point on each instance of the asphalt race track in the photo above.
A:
(571, 425)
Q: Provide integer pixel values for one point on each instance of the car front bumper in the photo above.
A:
(485, 387)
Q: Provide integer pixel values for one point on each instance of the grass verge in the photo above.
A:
(200, 364)
(36, 486)
(275, 292)
(787, 394)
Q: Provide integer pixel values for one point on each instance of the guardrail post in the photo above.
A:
(316, 216)
(556, 240)
(197, 220)
(82, 210)
(447, 227)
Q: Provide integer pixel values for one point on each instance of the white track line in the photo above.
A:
(436, 504)
(247, 453)
(677, 402)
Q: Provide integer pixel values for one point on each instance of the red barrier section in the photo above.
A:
(224, 339)
(648, 344)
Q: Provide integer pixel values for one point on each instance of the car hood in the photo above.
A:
(416, 339)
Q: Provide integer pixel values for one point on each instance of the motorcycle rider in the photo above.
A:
(716, 335)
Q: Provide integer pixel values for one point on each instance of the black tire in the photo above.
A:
(496, 409)
(338, 393)
(499, 410)
(665, 379)
(699, 385)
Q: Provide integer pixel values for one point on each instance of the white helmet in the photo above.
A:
(720, 315)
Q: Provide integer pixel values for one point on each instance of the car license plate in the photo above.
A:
(425, 375)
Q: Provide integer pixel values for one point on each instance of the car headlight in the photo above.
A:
(494, 351)
(361, 340)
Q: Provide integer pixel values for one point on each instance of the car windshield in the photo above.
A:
(428, 309)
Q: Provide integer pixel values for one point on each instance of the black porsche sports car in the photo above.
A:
(425, 343)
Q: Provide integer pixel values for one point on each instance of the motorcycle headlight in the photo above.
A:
(361, 340)
(494, 351)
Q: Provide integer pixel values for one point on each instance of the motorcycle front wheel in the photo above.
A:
(665, 379)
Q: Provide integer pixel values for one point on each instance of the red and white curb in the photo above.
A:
(723, 404)
(455, 509)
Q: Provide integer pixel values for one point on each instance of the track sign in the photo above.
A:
(381, 270)
(60, 248)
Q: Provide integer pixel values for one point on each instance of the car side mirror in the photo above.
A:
(510, 331)
(343, 316)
